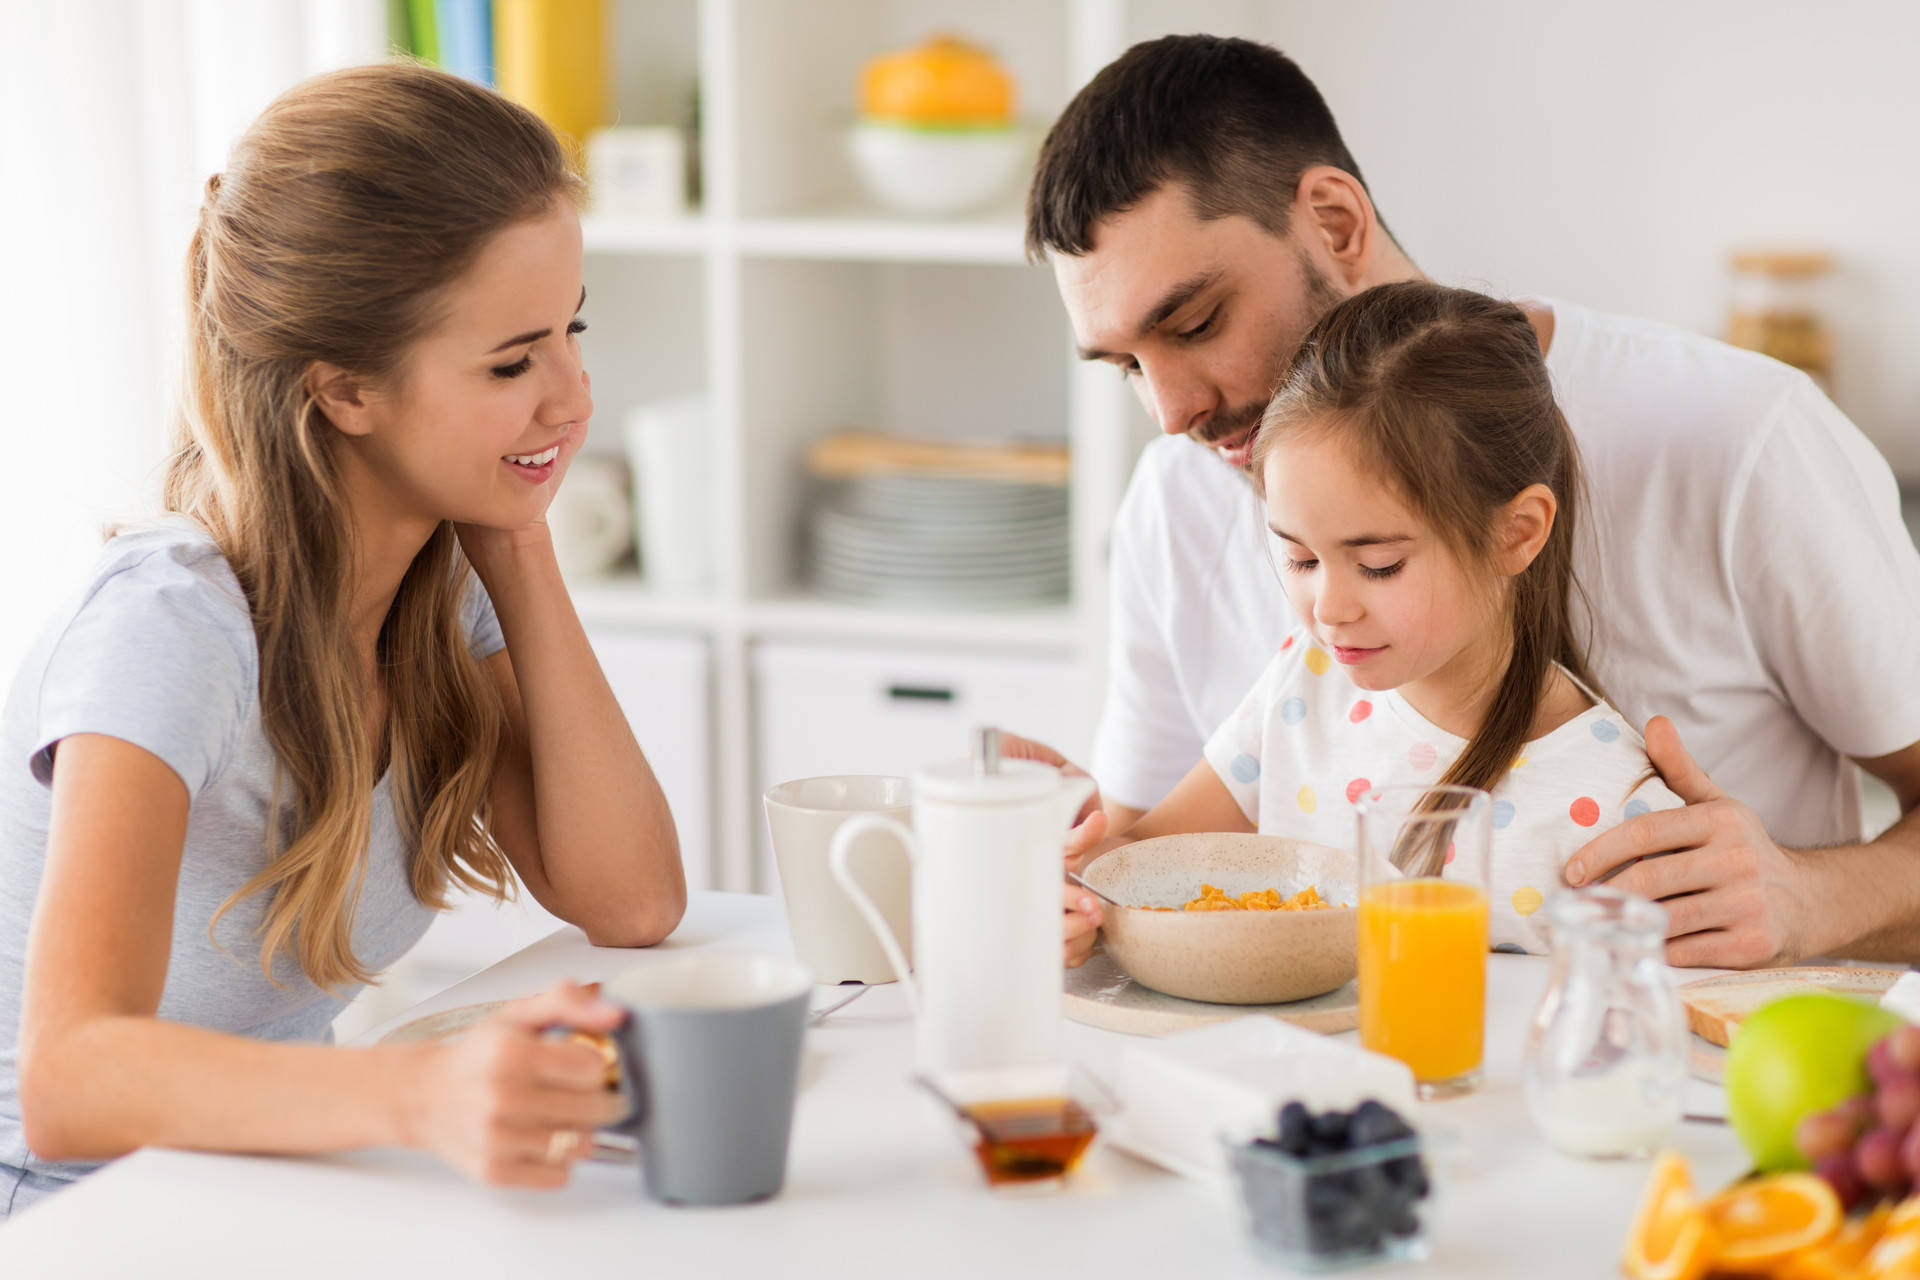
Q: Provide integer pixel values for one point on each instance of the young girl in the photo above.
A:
(272, 732)
(1422, 489)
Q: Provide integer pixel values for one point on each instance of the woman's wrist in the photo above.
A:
(402, 1074)
(507, 559)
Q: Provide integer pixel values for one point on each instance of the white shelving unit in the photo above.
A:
(797, 309)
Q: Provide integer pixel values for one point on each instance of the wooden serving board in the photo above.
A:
(1716, 1006)
(1100, 994)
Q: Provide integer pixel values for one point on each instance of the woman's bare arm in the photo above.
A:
(101, 1075)
(575, 804)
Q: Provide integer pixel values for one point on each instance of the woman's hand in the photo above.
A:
(508, 1108)
(490, 549)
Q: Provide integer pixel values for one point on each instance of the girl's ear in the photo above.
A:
(1524, 524)
(343, 398)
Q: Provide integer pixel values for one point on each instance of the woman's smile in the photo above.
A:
(534, 467)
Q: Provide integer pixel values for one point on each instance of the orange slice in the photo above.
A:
(1819, 1263)
(1858, 1237)
(1904, 1216)
(1762, 1223)
(1671, 1238)
(1895, 1253)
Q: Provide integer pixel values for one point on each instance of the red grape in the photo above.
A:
(1877, 1157)
(1823, 1134)
(1857, 1112)
(1896, 1076)
(1903, 1047)
(1910, 1153)
(1898, 1104)
(1843, 1178)
(1880, 1063)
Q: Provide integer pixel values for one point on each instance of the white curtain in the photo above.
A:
(112, 114)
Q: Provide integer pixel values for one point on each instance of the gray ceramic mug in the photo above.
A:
(710, 1059)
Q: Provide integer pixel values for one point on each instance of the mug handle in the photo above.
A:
(837, 855)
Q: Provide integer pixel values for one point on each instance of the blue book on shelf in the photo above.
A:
(465, 31)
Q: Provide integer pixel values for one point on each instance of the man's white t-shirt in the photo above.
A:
(1742, 549)
(1306, 742)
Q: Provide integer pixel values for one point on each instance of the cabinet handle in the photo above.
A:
(918, 693)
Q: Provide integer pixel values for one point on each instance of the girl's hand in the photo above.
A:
(508, 1108)
(1015, 747)
(1082, 924)
(1088, 841)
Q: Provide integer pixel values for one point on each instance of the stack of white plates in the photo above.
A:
(915, 539)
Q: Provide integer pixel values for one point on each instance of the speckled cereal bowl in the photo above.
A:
(1229, 957)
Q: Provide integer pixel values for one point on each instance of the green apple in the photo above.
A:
(1795, 1056)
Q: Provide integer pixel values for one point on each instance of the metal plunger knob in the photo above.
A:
(986, 751)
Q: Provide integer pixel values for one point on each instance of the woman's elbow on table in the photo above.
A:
(642, 923)
(54, 1111)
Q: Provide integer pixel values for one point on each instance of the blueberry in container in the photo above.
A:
(1335, 1190)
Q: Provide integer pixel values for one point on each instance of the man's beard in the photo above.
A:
(1317, 297)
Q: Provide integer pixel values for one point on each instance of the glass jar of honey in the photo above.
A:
(1776, 308)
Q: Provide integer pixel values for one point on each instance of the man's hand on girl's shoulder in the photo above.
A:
(1733, 896)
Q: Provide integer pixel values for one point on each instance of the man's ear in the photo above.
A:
(341, 396)
(1524, 526)
(1331, 208)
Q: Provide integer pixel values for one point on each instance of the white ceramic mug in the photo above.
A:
(987, 865)
(829, 934)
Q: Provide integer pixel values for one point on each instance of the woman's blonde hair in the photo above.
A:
(344, 214)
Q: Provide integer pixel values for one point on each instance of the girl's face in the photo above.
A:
(1382, 593)
(490, 406)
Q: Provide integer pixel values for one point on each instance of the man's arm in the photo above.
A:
(1736, 900)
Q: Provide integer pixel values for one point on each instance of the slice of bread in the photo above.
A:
(1716, 1006)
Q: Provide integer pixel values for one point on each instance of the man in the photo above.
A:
(1745, 567)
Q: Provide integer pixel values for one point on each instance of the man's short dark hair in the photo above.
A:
(1233, 121)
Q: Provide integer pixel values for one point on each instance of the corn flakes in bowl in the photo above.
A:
(1242, 943)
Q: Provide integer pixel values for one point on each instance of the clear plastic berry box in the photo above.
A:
(1335, 1211)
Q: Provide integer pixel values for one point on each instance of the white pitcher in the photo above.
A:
(986, 846)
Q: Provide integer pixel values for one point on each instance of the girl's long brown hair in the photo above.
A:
(1444, 392)
(345, 212)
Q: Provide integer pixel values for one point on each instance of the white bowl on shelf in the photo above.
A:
(934, 170)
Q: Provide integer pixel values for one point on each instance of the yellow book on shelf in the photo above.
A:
(551, 56)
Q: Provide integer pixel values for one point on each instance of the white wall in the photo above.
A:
(1612, 153)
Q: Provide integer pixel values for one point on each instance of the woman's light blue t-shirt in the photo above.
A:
(158, 649)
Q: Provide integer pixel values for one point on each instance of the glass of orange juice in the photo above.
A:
(1425, 856)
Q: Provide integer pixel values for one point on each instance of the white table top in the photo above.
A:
(878, 1182)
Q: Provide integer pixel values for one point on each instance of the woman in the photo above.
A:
(252, 756)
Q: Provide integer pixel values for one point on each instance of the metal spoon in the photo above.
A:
(819, 1016)
(925, 1081)
(1074, 877)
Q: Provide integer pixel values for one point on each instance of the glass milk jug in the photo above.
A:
(987, 849)
(1606, 1062)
